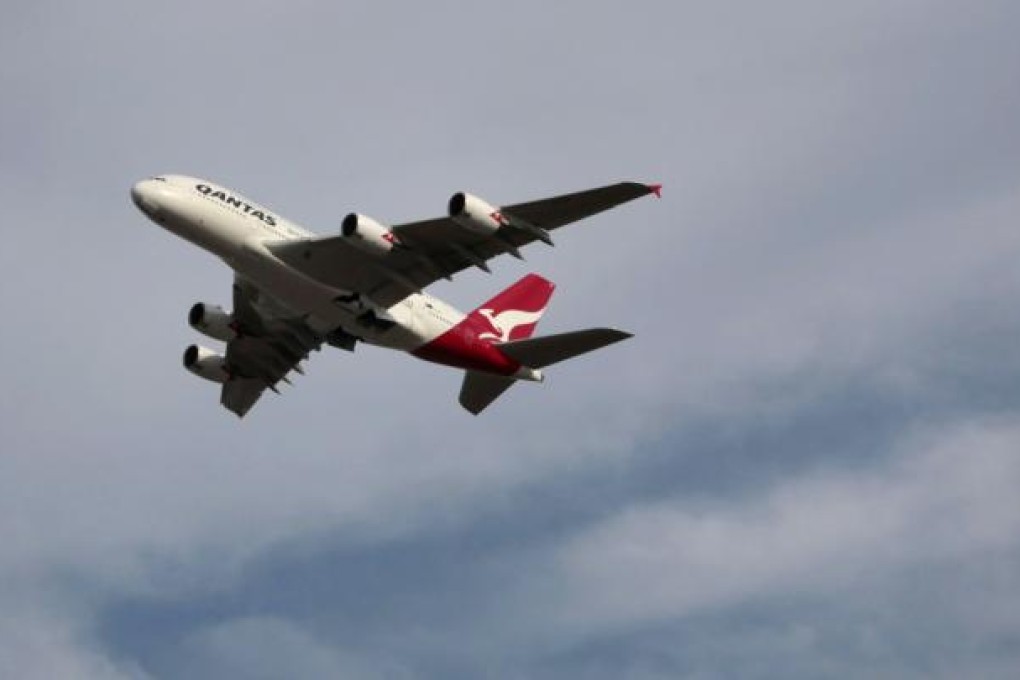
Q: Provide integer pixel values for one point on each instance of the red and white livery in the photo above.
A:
(295, 291)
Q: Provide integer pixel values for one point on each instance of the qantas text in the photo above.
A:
(236, 202)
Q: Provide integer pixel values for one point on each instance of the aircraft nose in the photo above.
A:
(138, 194)
(143, 196)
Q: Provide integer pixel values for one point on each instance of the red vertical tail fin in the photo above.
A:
(514, 313)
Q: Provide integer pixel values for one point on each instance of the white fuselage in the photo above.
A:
(237, 230)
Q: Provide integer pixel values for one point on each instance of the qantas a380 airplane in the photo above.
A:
(294, 291)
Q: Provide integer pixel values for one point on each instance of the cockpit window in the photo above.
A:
(159, 179)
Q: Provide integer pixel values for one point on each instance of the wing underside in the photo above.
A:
(439, 248)
(268, 348)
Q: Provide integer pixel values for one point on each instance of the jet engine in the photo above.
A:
(211, 320)
(367, 234)
(475, 214)
(206, 363)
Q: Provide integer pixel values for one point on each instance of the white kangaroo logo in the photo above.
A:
(505, 322)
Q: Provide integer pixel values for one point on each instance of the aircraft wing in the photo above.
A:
(438, 248)
(268, 348)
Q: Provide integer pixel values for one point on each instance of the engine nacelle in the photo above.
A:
(475, 214)
(211, 320)
(367, 234)
(206, 363)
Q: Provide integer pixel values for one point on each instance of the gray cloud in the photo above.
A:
(665, 559)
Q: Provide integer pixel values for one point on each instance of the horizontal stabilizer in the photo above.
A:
(481, 389)
(552, 349)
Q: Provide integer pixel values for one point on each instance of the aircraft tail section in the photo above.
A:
(552, 349)
(481, 389)
(514, 313)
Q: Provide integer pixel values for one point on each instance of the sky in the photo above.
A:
(804, 465)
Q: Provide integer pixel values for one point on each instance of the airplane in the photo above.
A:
(294, 291)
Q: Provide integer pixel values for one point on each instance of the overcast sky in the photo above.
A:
(806, 463)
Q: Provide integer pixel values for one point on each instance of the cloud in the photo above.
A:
(40, 644)
(947, 498)
(259, 647)
(826, 570)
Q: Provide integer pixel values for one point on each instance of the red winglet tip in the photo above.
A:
(656, 189)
